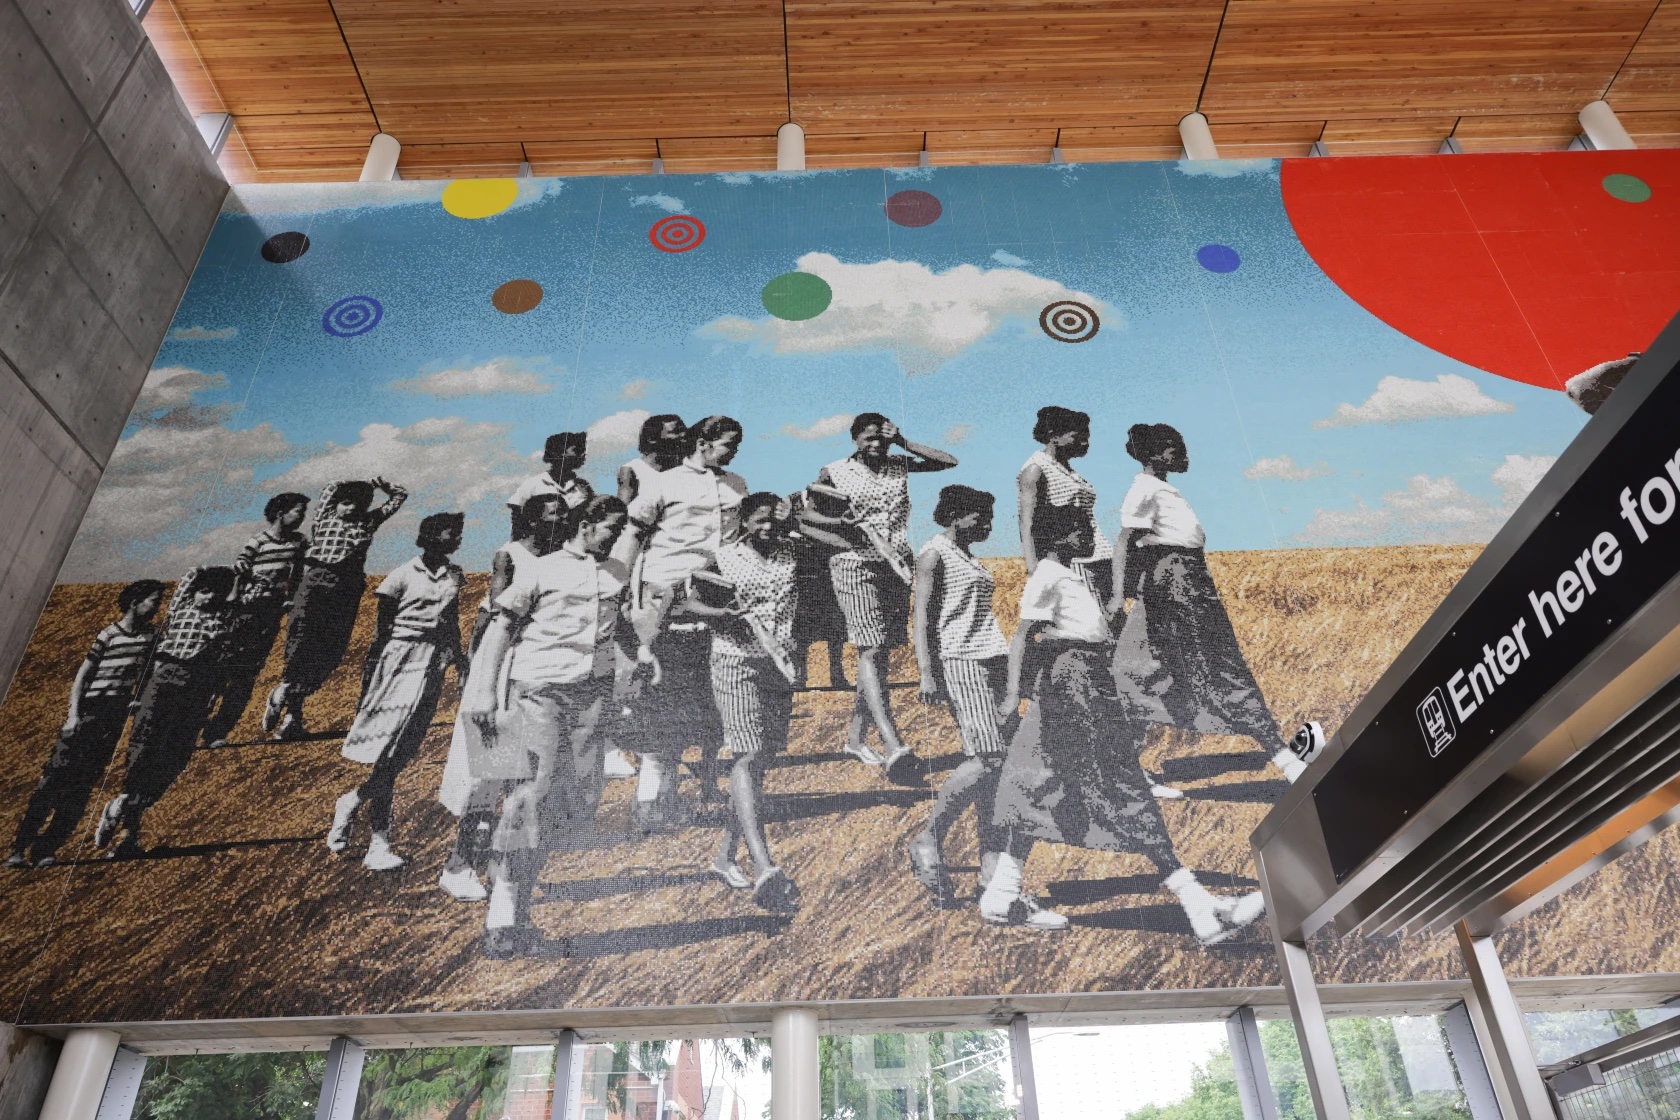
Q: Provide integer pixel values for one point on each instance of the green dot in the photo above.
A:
(797, 295)
(1627, 188)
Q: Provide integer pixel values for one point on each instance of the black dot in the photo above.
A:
(284, 248)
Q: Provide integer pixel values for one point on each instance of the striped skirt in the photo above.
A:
(975, 689)
(875, 601)
(755, 701)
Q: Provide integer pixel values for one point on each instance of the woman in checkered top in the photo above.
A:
(328, 595)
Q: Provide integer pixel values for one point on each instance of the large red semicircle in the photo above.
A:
(1522, 265)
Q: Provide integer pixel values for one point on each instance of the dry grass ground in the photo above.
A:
(241, 910)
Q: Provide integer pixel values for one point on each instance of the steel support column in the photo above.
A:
(1254, 1085)
(1509, 1038)
(78, 1080)
(568, 1056)
(1020, 1055)
(343, 1077)
(1473, 1073)
(122, 1087)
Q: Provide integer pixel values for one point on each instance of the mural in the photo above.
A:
(539, 593)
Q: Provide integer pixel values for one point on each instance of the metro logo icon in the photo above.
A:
(1436, 721)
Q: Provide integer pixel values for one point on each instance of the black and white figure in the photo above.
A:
(175, 694)
(329, 594)
(964, 664)
(1177, 661)
(872, 581)
(565, 453)
(661, 445)
(1048, 478)
(819, 530)
(100, 697)
(1072, 774)
(552, 640)
(416, 639)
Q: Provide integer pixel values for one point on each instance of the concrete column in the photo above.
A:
(790, 148)
(1254, 1084)
(381, 163)
(794, 1084)
(84, 1065)
(342, 1079)
(1197, 137)
(1020, 1053)
(1600, 125)
(1509, 1037)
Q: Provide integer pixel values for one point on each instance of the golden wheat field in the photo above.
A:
(239, 908)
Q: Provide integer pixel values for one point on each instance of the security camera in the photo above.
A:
(1309, 741)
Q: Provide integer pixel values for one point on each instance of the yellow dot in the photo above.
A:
(479, 198)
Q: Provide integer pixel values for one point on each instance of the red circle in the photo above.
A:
(914, 208)
(677, 234)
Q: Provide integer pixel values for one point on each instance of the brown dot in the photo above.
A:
(517, 296)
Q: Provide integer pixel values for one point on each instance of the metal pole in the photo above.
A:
(567, 1054)
(122, 1088)
(794, 1089)
(1020, 1050)
(1472, 1069)
(78, 1080)
(1254, 1086)
(1311, 1030)
(1509, 1038)
(342, 1079)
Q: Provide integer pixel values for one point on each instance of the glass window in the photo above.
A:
(917, 1076)
(1390, 1067)
(462, 1082)
(1154, 1071)
(1557, 1035)
(666, 1079)
(280, 1086)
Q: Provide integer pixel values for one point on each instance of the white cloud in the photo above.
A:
(168, 399)
(1285, 469)
(1225, 168)
(1400, 399)
(1004, 256)
(663, 201)
(615, 434)
(735, 178)
(204, 334)
(956, 434)
(1431, 510)
(635, 390)
(498, 375)
(925, 318)
(821, 429)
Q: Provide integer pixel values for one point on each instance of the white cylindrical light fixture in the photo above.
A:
(1197, 137)
(790, 148)
(381, 163)
(78, 1081)
(794, 1081)
(1601, 126)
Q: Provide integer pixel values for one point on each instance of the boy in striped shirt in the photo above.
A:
(99, 705)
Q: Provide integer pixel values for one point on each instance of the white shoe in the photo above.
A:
(463, 885)
(1291, 766)
(615, 765)
(344, 816)
(380, 857)
(1240, 910)
(1165, 792)
(864, 753)
(1002, 909)
(1201, 907)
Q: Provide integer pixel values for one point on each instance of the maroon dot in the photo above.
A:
(914, 208)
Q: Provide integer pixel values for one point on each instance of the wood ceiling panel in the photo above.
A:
(1111, 145)
(274, 56)
(1305, 59)
(841, 150)
(887, 65)
(333, 164)
(443, 72)
(592, 157)
(309, 130)
(696, 155)
(1264, 139)
(180, 59)
(1520, 133)
(1401, 136)
(460, 161)
(1650, 79)
(1653, 130)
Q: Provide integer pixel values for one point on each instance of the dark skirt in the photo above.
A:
(323, 618)
(817, 617)
(1177, 661)
(1071, 773)
(680, 712)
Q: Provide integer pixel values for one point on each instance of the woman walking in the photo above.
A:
(1048, 479)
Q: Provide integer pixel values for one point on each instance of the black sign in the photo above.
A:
(1610, 543)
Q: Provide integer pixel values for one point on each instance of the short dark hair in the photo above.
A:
(864, 419)
(1145, 441)
(654, 426)
(216, 579)
(138, 591)
(566, 445)
(956, 500)
(356, 491)
(596, 509)
(756, 501)
(434, 523)
(530, 510)
(280, 503)
(1054, 523)
(714, 427)
(1054, 420)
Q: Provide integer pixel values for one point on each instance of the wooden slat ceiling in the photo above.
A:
(591, 87)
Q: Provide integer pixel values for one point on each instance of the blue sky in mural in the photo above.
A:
(1309, 421)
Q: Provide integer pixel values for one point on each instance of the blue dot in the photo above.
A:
(1218, 258)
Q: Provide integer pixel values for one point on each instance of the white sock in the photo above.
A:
(647, 782)
(1199, 905)
(1005, 885)
(501, 905)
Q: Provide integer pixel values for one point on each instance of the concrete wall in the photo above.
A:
(107, 194)
(26, 1068)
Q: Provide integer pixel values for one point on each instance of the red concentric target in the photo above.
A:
(677, 234)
